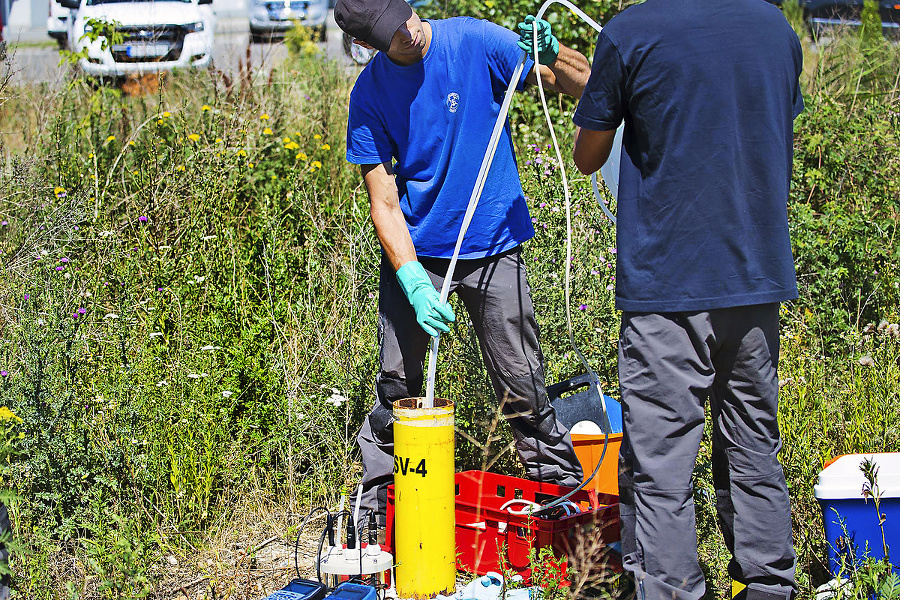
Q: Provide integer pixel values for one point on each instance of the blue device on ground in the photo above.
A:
(300, 589)
(353, 591)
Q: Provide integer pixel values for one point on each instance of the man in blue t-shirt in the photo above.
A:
(421, 116)
(708, 92)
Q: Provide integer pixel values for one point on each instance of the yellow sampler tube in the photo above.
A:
(424, 498)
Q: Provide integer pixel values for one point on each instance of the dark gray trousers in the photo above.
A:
(497, 298)
(669, 366)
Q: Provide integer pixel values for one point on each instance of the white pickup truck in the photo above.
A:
(156, 35)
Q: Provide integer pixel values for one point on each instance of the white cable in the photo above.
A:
(467, 219)
(479, 186)
(529, 506)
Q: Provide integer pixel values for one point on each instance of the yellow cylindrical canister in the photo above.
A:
(424, 498)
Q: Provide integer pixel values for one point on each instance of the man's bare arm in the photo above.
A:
(384, 208)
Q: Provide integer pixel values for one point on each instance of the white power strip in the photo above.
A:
(341, 561)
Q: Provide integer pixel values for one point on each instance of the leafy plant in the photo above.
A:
(106, 31)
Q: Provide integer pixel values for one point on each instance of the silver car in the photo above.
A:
(270, 18)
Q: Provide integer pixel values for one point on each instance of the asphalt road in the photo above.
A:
(39, 61)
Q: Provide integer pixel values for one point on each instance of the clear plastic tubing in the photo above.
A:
(482, 176)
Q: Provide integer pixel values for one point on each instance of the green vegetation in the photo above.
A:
(188, 299)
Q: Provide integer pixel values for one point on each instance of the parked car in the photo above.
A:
(57, 25)
(824, 15)
(272, 18)
(157, 35)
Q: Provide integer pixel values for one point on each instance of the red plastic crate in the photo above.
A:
(490, 538)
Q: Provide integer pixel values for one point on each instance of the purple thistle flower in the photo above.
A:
(142, 219)
(582, 307)
(27, 297)
(527, 163)
(159, 289)
(81, 311)
(4, 373)
(60, 268)
(64, 259)
(4, 222)
(542, 205)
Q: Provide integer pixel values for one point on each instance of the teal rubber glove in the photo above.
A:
(548, 45)
(431, 314)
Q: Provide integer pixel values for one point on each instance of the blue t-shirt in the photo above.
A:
(435, 118)
(708, 91)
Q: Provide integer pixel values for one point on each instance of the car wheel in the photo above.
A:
(359, 55)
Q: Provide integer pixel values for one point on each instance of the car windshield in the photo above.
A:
(96, 2)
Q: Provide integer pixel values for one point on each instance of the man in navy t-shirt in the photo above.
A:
(708, 92)
(421, 116)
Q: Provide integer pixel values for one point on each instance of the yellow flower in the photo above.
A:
(274, 176)
(167, 114)
(194, 137)
(110, 139)
(292, 146)
(267, 131)
(317, 137)
(131, 142)
(264, 117)
(286, 140)
(59, 190)
(302, 156)
(206, 107)
(179, 168)
(8, 415)
(250, 165)
(218, 154)
(218, 140)
(241, 153)
(325, 147)
(91, 155)
(315, 165)
(159, 121)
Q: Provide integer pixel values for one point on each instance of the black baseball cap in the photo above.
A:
(372, 21)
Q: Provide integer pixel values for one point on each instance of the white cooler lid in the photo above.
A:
(843, 478)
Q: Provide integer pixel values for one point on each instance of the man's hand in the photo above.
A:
(431, 314)
(548, 45)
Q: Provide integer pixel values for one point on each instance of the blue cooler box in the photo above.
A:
(839, 493)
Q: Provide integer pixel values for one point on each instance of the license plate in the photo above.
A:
(146, 50)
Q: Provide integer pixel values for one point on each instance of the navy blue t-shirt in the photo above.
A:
(435, 119)
(708, 91)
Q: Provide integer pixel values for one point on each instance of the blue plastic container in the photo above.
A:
(851, 522)
(353, 591)
(300, 589)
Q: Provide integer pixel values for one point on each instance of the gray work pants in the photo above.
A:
(497, 298)
(669, 366)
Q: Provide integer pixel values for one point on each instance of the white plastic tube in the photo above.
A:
(479, 187)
